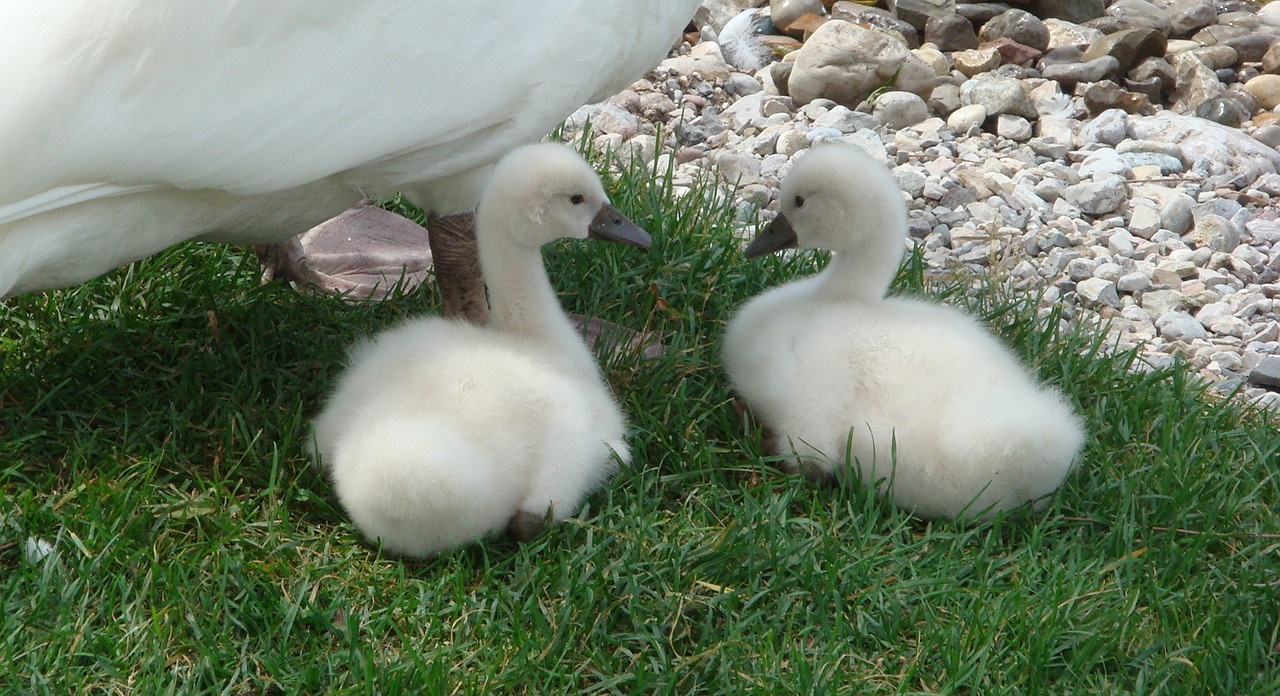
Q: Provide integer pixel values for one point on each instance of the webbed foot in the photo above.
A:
(362, 253)
(525, 526)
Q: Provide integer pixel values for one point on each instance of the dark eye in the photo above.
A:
(799, 201)
(577, 199)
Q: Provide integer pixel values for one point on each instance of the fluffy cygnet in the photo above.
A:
(915, 396)
(440, 431)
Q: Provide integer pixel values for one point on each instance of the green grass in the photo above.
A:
(151, 428)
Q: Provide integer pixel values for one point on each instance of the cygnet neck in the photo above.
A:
(861, 275)
(522, 301)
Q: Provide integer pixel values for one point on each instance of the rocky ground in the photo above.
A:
(1119, 156)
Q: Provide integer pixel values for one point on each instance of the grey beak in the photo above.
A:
(775, 236)
(612, 226)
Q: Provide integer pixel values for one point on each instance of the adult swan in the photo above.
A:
(129, 126)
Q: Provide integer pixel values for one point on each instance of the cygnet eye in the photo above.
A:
(799, 201)
(577, 199)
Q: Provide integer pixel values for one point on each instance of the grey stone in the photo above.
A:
(1097, 291)
(747, 112)
(965, 118)
(1168, 164)
(868, 142)
(608, 118)
(1015, 128)
(1271, 59)
(1175, 214)
(1104, 162)
(1000, 95)
(1140, 14)
(1218, 34)
(1144, 221)
(1018, 25)
(1128, 47)
(742, 84)
(1063, 34)
(1071, 74)
(845, 120)
(1229, 326)
(1121, 244)
(1098, 197)
(1215, 232)
(1224, 110)
(980, 12)
(1156, 303)
(1268, 135)
(918, 12)
(780, 74)
(1133, 282)
(1079, 269)
(876, 18)
(944, 99)
(845, 63)
(897, 110)
(1075, 11)
(1186, 17)
(950, 32)
(1108, 127)
(911, 180)
(1267, 372)
(1155, 68)
(1180, 326)
(1196, 84)
(1215, 57)
(1228, 155)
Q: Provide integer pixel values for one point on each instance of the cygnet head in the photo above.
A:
(540, 193)
(838, 198)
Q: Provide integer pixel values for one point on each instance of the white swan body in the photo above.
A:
(929, 401)
(440, 431)
(126, 126)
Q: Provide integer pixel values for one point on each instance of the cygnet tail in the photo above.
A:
(419, 485)
(1025, 447)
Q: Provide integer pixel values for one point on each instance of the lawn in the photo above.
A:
(152, 426)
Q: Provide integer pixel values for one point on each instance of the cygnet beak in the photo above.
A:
(775, 236)
(612, 226)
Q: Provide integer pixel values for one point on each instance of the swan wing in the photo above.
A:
(257, 97)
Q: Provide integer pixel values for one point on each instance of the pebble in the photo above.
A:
(1063, 153)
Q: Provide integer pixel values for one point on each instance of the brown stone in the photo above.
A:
(1101, 96)
(1013, 52)
(1266, 118)
(804, 26)
(780, 44)
(1271, 60)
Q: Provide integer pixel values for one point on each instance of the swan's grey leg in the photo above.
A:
(768, 439)
(524, 525)
(811, 470)
(457, 266)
